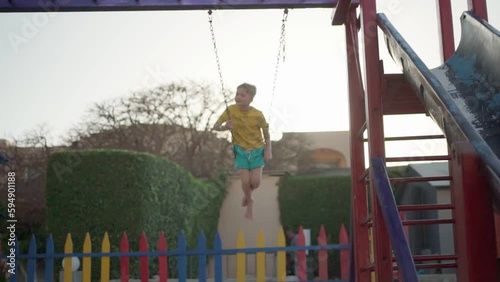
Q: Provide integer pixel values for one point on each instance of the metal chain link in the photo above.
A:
(210, 19)
(281, 52)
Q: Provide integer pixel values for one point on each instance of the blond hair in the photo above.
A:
(251, 89)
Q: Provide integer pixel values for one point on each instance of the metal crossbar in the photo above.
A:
(131, 5)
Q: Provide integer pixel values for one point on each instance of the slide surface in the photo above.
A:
(462, 95)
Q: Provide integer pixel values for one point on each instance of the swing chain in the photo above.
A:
(281, 54)
(210, 19)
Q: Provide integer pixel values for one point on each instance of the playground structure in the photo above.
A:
(462, 97)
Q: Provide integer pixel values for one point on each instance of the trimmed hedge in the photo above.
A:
(113, 191)
(312, 201)
(208, 201)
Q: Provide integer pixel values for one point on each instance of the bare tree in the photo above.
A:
(291, 153)
(172, 121)
(28, 155)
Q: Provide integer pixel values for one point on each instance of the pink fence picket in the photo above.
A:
(144, 262)
(344, 254)
(124, 260)
(162, 260)
(322, 255)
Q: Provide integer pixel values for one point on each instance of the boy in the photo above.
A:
(247, 126)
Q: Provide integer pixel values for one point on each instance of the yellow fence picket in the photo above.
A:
(68, 261)
(87, 249)
(281, 257)
(105, 260)
(261, 258)
(240, 258)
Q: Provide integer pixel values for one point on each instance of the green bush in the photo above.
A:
(315, 201)
(208, 202)
(113, 191)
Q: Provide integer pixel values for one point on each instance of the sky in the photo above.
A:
(55, 66)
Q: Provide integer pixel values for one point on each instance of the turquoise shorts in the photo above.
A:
(248, 159)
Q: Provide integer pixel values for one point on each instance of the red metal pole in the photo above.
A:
(497, 228)
(479, 7)
(475, 225)
(445, 22)
(360, 239)
(382, 248)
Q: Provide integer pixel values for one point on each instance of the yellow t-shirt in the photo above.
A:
(247, 127)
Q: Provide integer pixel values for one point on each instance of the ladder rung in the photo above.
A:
(430, 265)
(420, 179)
(436, 265)
(416, 179)
(434, 257)
(362, 131)
(418, 158)
(425, 207)
(431, 257)
(418, 137)
(423, 222)
(368, 267)
(410, 138)
(363, 176)
(428, 221)
(366, 221)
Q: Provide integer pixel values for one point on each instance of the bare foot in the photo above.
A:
(244, 201)
(249, 211)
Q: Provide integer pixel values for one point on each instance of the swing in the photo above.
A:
(281, 53)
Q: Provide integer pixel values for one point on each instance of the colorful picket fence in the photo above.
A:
(182, 253)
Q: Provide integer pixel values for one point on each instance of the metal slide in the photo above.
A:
(462, 95)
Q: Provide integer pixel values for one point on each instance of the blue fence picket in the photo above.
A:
(13, 276)
(32, 261)
(218, 257)
(49, 261)
(182, 261)
(202, 259)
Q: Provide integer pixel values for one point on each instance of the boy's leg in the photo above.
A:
(246, 185)
(256, 165)
(249, 210)
(243, 166)
(256, 176)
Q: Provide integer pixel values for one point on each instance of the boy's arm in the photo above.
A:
(222, 123)
(219, 127)
(267, 151)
